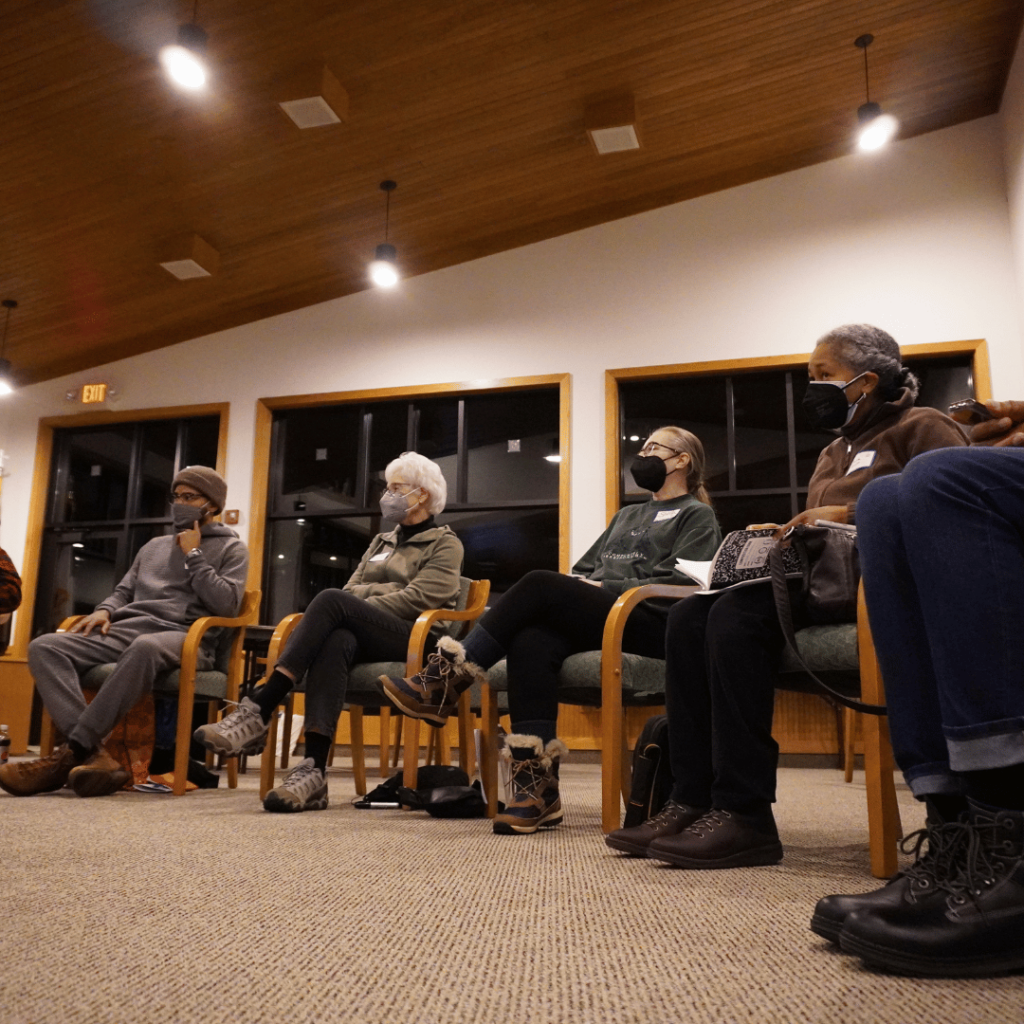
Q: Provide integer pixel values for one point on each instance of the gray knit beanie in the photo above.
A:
(206, 481)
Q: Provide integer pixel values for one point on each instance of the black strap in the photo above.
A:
(780, 588)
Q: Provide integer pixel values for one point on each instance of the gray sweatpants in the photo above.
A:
(142, 649)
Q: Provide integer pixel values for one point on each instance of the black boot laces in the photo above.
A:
(939, 865)
(669, 813)
(990, 855)
(712, 820)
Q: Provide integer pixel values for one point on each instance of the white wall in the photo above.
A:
(915, 239)
(1011, 115)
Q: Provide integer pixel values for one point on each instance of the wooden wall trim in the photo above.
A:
(167, 412)
(260, 487)
(564, 470)
(492, 385)
(33, 543)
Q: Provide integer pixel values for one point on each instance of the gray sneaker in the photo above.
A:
(241, 732)
(305, 789)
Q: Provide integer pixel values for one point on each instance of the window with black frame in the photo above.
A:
(498, 453)
(760, 449)
(107, 496)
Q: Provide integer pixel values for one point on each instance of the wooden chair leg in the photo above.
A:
(626, 780)
(444, 743)
(46, 733)
(411, 754)
(489, 748)
(269, 756)
(467, 753)
(399, 719)
(849, 736)
(385, 741)
(358, 751)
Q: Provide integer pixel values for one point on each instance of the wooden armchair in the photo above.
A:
(364, 688)
(614, 679)
(215, 685)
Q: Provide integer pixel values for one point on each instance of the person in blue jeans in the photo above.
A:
(942, 556)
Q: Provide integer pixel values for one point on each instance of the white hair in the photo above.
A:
(419, 471)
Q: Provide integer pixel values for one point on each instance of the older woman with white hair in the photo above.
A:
(408, 570)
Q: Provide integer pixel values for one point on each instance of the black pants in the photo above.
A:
(723, 656)
(539, 622)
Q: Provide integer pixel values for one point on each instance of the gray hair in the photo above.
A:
(870, 349)
(419, 471)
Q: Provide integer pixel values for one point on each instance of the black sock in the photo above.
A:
(271, 693)
(318, 747)
(998, 787)
(81, 754)
(943, 807)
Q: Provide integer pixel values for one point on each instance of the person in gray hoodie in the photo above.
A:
(198, 570)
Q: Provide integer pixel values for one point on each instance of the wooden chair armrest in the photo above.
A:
(187, 675)
(611, 691)
(284, 630)
(421, 627)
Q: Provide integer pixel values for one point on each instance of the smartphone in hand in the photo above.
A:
(969, 412)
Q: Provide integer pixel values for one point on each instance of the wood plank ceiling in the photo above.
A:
(475, 108)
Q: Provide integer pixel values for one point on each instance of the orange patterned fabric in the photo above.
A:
(131, 742)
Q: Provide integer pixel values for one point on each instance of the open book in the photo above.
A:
(741, 559)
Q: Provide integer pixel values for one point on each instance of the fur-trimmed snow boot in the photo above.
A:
(533, 779)
(433, 693)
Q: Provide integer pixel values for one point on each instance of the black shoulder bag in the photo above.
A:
(831, 574)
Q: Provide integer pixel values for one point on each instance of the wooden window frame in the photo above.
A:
(266, 407)
(39, 493)
(977, 349)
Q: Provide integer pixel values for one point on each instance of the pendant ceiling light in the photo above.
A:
(383, 272)
(876, 128)
(6, 380)
(184, 63)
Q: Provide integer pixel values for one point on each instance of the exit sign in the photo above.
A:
(94, 393)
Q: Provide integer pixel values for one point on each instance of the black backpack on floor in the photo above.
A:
(652, 776)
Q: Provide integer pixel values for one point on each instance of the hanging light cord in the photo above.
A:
(195, 12)
(867, 84)
(387, 213)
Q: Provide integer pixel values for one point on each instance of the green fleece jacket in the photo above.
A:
(642, 543)
(410, 577)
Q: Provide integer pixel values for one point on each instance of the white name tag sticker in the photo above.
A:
(861, 461)
(380, 557)
(665, 514)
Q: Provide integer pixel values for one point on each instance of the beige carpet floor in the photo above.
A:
(139, 908)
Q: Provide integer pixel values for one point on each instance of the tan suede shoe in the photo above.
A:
(101, 775)
(44, 775)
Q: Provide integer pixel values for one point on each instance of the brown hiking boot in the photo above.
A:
(433, 693)
(533, 778)
(44, 775)
(101, 775)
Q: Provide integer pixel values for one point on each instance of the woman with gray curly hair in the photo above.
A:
(405, 571)
(722, 652)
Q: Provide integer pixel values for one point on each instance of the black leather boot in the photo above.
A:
(976, 928)
(935, 849)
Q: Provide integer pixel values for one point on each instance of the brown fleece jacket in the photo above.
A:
(890, 437)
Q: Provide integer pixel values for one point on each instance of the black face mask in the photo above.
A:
(826, 404)
(649, 472)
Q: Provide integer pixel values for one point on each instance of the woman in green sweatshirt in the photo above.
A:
(547, 616)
